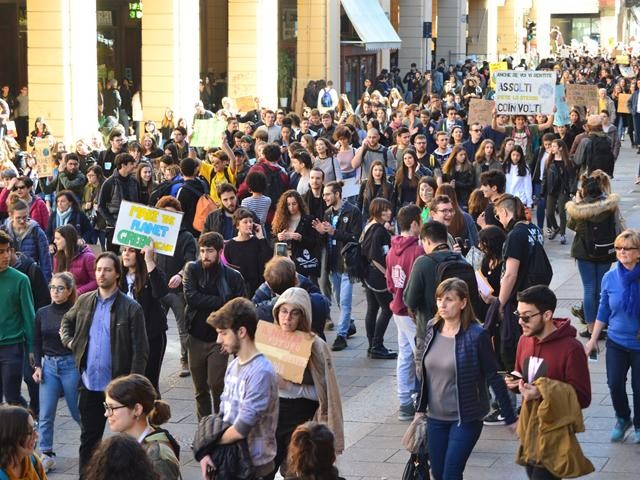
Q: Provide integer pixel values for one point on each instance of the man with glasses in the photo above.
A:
(473, 143)
(117, 144)
(17, 320)
(551, 364)
(106, 332)
(442, 210)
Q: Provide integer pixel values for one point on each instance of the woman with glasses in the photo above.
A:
(18, 438)
(620, 310)
(132, 407)
(316, 396)
(458, 363)
(55, 369)
(72, 257)
(22, 188)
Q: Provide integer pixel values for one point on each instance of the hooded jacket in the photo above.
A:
(33, 243)
(547, 431)
(83, 269)
(321, 368)
(404, 252)
(591, 210)
(563, 359)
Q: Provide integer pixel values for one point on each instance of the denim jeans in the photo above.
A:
(619, 359)
(174, 301)
(59, 375)
(591, 274)
(405, 367)
(343, 291)
(541, 205)
(450, 445)
(620, 126)
(11, 362)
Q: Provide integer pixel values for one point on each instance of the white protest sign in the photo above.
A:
(524, 92)
(138, 225)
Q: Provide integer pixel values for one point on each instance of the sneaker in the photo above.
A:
(329, 325)
(548, 231)
(563, 240)
(494, 418)
(406, 412)
(554, 233)
(184, 369)
(621, 427)
(340, 343)
(352, 329)
(48, 461)
(578, 312)
(382, 353)
(636, 437)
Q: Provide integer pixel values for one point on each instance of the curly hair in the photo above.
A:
(121, 457)
(282, 217)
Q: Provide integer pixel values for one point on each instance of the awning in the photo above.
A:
(371, 24)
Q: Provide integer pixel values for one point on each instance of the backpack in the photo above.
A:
(355, 263)
(600, 155)
(326, 100)
(161, 190)
(204, 207)
(275, 187)
(455, 266)
(539, 271)
(600, 237)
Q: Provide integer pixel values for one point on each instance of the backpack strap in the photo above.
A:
(333, 165)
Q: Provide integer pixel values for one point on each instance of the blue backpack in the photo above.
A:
(326, 99)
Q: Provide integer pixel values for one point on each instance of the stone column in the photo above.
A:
(452, 29)
(170, 57)
(413, 13)
(62, 66)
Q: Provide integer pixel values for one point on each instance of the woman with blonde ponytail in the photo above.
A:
(132, 407)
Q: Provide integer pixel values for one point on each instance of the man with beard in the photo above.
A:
(250, 397)
(106, 332)
(221, 220)
(208, 285)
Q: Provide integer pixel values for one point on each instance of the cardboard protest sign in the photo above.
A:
(481, 111)
(44, 157)
(138, 225)
(561, 116)
(207, 133)
(582, 96)
(525, 92)
(289, 352)
(623, 98)
(245, 104)
(496, 67)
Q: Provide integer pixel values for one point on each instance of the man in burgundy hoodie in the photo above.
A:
(547, 348)
(405, 248)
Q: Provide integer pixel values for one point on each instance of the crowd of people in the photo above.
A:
(442, 220)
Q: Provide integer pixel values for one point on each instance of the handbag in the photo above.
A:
(417, 467)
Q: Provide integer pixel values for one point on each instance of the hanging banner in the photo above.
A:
(561, 116)
(207, 133)
(138, 225)
(526, 92)
(44, 157)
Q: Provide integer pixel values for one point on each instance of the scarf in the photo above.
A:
(62, 218)
(631, 289)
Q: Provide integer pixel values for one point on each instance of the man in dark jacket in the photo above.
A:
(112, 100)
(186, 251)
(71, 178)
(190, 192)
(221, 220)
(342, 224)
(117, 144)
(208, 285)
(106, 332)
(120, 186)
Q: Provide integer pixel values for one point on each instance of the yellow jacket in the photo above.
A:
(547, 430)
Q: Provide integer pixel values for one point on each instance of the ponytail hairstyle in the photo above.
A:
(134, 389)
(312, 452)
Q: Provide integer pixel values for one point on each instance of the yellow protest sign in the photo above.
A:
(44, 157)
(623, 98)
(495, 67)
(289, 352)
(622, 59)
(245, 103)
(138, 225)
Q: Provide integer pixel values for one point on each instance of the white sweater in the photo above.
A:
(519, 186)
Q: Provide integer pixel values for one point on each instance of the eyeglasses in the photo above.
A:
(21, 187)
(21, 218)
(109, 409)
(525, 318)
(295, 313)
(57, 288)
(31, 431)
(626, 249)
(446, 211)
(475, 129)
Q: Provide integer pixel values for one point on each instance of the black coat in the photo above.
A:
(306, 253)
(78, 219)
(155, 287)
(186, 251)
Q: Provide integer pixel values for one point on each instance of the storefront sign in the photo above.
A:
(525, 92)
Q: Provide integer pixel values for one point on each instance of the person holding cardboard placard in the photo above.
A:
(318, 396)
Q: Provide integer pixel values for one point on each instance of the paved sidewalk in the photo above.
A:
(373, 434)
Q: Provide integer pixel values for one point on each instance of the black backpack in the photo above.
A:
(455, 266)
(539, 271)
(275, 187)
(600, 237)
(600, 155)
(161, 190)
(355, 263)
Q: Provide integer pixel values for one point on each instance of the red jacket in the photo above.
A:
(83, 269)
(563, 359)
(400, 259)
(38, 210)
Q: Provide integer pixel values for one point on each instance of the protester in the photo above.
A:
(55, 368)
(18, 439)
(70, 256)
(95, 179)
(23, 188)
(518, 177)
(376, 185)
(68, 212)
(132, 407)
(122, 457)
(618, 311)
(427, 187)
(312, 453)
